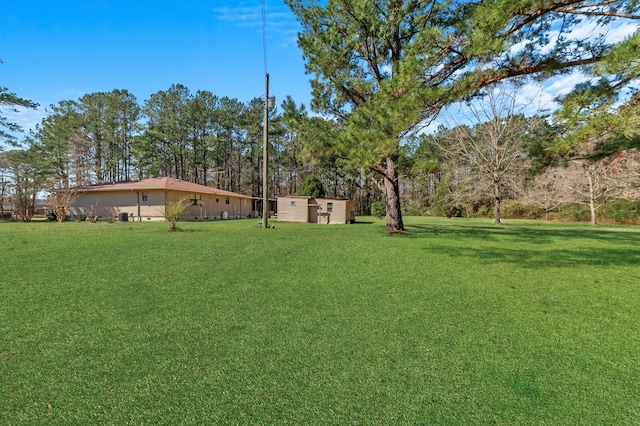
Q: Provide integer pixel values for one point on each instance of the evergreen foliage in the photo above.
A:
(383, 68)
(378, 209)
(9, 101)
(312, 187)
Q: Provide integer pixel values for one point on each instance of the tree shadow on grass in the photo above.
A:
(185, 230)
(558, 258)
(532, 246)
(532, 234)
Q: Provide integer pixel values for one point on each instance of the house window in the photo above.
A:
(194, 198)
(145, 196)
(217, 200)
(293, 203)
(226, 200)
(329, 207)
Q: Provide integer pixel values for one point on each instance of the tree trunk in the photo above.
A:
(392, 198)
(3, 186)
(497, 196)
(592, 201)
(497, 213)
(98, 158)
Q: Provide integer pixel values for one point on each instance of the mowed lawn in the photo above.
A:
(456, 322)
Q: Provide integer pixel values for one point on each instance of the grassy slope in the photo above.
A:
(457, 322)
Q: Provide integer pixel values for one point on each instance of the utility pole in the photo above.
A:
(265, 158)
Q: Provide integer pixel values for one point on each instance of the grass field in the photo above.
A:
(456, 322)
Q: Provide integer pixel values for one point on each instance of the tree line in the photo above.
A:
(200, 137)
(382, 71)
(384, 68)
(491, 153)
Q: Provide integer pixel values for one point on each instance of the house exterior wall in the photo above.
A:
(293, 209)
(152, 208)
(215, 206)
(334, 211)
(109, 204)
(315, 210)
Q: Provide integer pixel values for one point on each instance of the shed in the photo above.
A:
(316, 210)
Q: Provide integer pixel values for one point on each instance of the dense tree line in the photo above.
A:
(489, 154)
(198, 137)
(382, 71)
(384, 68)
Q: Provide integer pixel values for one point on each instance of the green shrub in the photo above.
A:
(577, 212)
(513, 209)
(174, 211)
(622, 210)
(456, 211)
(536, 213)
(442, 208)
(483, 211)
(378, 209)
(414, 208)
(439, 209)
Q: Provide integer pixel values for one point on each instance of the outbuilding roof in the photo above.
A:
(164, 183)
(305, 197)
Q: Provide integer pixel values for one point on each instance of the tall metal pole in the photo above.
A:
(265, 157)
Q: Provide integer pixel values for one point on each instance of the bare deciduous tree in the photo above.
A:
(625, 173)
(489, 152)
(546, 191)
(587, 183)
(61, 201)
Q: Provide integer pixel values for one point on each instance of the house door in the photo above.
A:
(313, 214)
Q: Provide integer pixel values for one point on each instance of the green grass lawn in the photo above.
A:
(456, 322)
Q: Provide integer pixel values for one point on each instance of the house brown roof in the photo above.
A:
(165, 183)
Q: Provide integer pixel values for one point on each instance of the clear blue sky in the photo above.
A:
(56, 50)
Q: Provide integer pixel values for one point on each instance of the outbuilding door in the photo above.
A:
(313, 213)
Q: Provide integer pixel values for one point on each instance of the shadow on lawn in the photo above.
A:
(530, 246)
(525, 234)
(560, 258)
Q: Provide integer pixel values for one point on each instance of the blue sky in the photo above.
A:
(55, 50)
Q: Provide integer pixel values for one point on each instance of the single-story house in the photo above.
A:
(316, 210)
(145, 200)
